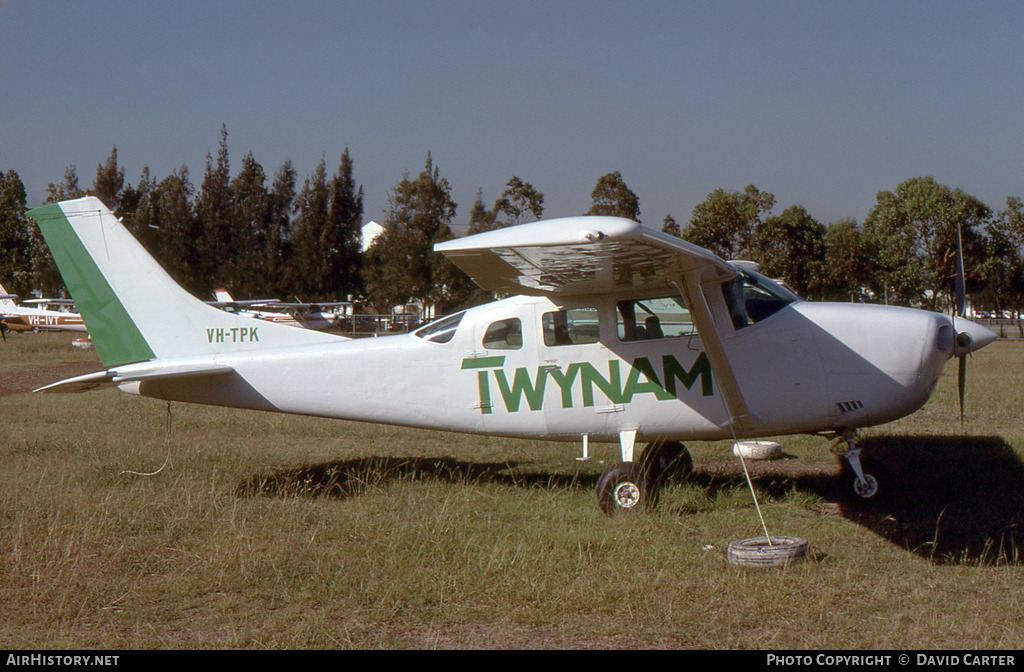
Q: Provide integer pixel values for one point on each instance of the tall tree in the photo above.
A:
(402, 265)
(214, 212)
(15, 236)
(915, 229)
(108, 184)
(725, 221)
(246, 274)
(174, 217)
(137, 212)
(480, 218)
(45, 276)
(311, 223)
(342, 254)
(66, 189)
(670, 226)
(1004, 265)
(277, 252)
(611, 197)
(846, 267)
(791, 246)
(518, 204)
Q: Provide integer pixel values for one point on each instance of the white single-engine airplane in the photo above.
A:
(617, 333)
(305, 315)
(25, 318)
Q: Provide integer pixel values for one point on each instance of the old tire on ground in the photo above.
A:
(624, 488)
(759, 552)
(667, 461)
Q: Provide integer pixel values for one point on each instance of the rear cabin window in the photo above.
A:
(751, 297)
(441, 331)
(504, 335)
(575, 326)
(648, 319)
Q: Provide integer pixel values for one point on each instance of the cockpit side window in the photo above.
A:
(440, 331)
(504, 335)
(648, 319)
(576, 326)
(751, 297)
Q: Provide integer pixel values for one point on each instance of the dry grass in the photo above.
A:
(269, 531)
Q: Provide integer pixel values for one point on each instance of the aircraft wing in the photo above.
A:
(595, 255)
(136, 373)
(578, 255)
(47, 302)
(246, 303)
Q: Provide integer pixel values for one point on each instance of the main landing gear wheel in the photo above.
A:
(623, 488)
(668, 461)
(631, 486)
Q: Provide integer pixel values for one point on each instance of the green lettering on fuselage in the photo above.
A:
(642, 379)
(233, 334)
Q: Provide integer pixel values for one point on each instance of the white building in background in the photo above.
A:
(370, 232)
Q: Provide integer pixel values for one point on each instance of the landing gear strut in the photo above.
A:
(867, 474)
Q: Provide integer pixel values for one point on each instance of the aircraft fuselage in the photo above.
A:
(808, 367)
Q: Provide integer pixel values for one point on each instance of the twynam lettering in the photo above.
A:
(529, 386)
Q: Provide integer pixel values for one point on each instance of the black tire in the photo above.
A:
(624, 488)
(667, 461)
(765, 551)
(878, 485)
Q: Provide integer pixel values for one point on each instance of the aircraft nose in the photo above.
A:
(970, 336)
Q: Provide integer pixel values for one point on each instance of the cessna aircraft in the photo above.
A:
(616, 333)
(306, 315)
(24, 318)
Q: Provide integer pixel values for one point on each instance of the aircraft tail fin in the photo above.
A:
(6, 303)
(133, 309)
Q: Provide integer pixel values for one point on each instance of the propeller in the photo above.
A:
(962, 339)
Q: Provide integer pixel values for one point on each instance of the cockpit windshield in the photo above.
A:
(440, 331)
(751, 297)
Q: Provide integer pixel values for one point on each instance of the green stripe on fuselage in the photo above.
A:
(114, 335)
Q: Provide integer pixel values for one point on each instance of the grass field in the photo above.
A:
(270, 531)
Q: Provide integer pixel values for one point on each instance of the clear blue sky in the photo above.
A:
(821, 103)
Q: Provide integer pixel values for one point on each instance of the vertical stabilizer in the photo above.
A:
(133, 309)
(7, 305)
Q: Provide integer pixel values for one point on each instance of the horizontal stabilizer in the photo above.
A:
(136, 373)
(89, 381)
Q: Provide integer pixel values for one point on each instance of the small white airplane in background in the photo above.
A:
(24, 318)
(306, 315)
(618, 333)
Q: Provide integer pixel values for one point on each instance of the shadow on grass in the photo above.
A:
(345, 479)
(951, 500)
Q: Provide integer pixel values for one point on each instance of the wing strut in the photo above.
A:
(740, 416)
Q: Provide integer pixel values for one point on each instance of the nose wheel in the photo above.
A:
(864, 475)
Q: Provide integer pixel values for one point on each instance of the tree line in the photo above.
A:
(262, 236)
